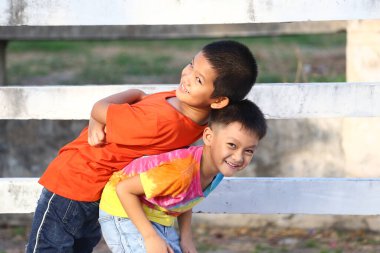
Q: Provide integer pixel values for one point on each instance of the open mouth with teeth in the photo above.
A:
(184, 89)
(233, 165)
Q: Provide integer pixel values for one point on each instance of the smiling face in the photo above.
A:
(228, 149)
(197, 83)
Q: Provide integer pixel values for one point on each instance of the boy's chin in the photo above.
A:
(228, 173)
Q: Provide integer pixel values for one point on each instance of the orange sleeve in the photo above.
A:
(128, 125)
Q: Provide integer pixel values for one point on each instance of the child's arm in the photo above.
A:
(96, 128)
(128, 192)
(184, 224)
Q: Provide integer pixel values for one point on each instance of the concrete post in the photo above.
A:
(363, 51)
(361, 137)
(3, 46)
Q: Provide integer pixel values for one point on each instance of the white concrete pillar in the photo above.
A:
(360, 144)
(363, 51)
(361, 137)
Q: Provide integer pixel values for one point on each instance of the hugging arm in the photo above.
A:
(97, 123)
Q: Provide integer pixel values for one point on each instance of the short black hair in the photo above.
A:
(247, 113)
(235, 66)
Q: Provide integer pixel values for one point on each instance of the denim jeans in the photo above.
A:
(122, 236)
(64, 225)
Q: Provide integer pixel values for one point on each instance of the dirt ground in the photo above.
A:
(247, 240)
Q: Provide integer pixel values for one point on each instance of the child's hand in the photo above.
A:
(187, 246)
(155, 244)
(96, 133)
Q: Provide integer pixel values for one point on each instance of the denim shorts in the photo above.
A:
(64, 225)
(122, 236)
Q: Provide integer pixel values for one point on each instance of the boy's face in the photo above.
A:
(197, 83)
(231, 147)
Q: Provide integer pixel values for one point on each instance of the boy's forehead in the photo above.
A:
(234, 130)
(204, 66)
(200, 58)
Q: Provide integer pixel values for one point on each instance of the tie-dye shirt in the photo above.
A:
(171, 183)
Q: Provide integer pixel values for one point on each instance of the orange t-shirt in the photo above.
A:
(150, 126)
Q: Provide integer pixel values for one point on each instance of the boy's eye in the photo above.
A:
(198, 80)
(250, 151)
(231, 145)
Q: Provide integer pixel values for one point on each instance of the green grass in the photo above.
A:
(18, 231)
(204, 247)
(264, 249)
(310, 40)
(320, 41)
(311, 243)
(331, 251)
(142, 66)
(297, 58)
(48, 46)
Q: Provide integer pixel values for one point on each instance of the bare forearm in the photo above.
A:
(99, 110)
(128, 192)
(129, 96)
(133, 207)
(184, 224)
(186, 238)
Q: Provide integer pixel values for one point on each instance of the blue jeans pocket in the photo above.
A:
(120, 234)
(111, 233)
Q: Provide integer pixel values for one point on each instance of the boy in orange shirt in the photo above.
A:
(126, 126)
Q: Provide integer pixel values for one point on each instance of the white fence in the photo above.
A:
(255, 195)
(236, 195)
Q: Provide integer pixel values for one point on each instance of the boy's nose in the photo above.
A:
(238, 157)
(186, 78)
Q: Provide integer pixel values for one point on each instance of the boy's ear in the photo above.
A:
(207, 136)
(220, 103)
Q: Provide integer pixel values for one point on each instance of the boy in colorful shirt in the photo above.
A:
(140, 203)
(126, 126)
